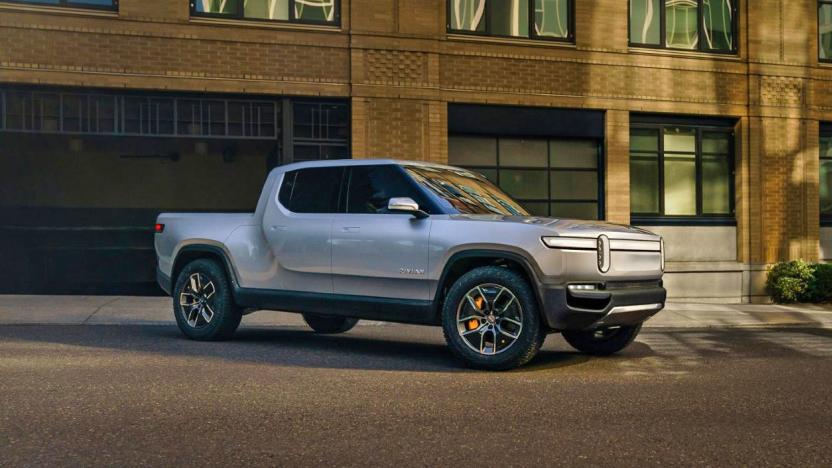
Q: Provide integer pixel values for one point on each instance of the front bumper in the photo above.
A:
(565, 309)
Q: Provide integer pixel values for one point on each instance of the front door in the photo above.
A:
(374, 252)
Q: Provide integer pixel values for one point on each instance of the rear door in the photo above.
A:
(377, 253)
(298, 229)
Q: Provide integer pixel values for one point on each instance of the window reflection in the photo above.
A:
(544, 19)
(557, 177)
(680, 171)
(825, 29)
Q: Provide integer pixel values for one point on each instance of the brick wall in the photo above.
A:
(617, 166)
(394, 58)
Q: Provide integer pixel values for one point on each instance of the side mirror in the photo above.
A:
(405, 205)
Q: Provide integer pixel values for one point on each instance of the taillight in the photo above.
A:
(160, 228)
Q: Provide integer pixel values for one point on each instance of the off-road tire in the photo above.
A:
(586, 341)
(530, 338)
(329, 324)
(226, 314)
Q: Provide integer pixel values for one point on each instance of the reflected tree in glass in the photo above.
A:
(509, 18)
(718, 20)
(467, 15)
(551, 18)
(266, 9)
(645, 23)
(681, 23)
(315, 10)
(825, 30)
(222, 7)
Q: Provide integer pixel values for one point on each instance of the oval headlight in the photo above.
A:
(604, 258)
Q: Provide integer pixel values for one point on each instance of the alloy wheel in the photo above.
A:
(489, 319)
(196, 300)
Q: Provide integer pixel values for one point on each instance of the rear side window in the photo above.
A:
(312, 190)
(372, 187)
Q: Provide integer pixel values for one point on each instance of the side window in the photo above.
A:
(285, 194)
(372, 187)
(312, 190)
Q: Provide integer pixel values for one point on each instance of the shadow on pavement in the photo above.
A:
(420, 349)
(411, 348)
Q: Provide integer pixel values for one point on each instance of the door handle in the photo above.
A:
(278, 228)
(350, 229)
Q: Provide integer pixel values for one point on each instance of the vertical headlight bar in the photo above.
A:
(604, 258)
(661, 248)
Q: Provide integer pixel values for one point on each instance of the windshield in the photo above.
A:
(465, 191)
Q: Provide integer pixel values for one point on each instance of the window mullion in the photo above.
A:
(487, 17)
(549, 177)
(660, 136)
(663, 23)
(698, 163)
(700, 27)
(571, 21)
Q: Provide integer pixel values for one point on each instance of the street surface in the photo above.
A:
(124, 395)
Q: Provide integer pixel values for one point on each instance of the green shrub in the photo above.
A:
(820, 290)
(791, 281)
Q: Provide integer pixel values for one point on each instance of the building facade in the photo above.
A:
(707, 121)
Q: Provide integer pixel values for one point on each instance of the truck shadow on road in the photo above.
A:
(409, 348)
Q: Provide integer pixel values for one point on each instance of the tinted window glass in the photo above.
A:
(285, 195)
(372, 187)
(465, 191)
(312, 190)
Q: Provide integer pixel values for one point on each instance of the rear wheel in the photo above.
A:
(603, 341)
(202, 302)
(329, 324)
(491, 321)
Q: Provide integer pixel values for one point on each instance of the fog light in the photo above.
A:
(582, 287)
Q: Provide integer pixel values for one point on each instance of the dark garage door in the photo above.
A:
(83, 176)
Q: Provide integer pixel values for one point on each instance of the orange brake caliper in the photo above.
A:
(473, 324)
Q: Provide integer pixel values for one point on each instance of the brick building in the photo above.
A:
(703, 120)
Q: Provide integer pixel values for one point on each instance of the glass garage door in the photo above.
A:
(83, 175)
(549, 177)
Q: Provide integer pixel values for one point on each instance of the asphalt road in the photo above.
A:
(143, 395)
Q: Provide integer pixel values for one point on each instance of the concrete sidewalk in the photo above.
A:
(127, 310)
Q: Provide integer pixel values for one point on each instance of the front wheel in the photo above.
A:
(490, 319)
(329, 324)
(603, 341)
(202, 302)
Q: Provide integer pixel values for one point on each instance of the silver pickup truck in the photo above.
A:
(411, 242)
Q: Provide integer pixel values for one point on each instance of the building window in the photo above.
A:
(826, 177)
(137, 115)
(294, 11)
(535, 19)
(681, 173)
(548, 177)
(825, 30)
(95, 4)
(320, 131)
(703, 25)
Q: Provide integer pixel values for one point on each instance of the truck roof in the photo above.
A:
(355, 162)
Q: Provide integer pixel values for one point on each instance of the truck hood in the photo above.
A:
(569, 227)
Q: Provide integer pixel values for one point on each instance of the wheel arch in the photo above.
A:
(191, 252)
(462, 262)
